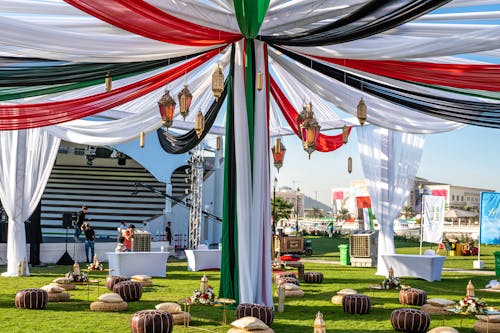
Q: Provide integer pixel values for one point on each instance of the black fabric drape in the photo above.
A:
(16, 76)
(374, 17)
(468, 112)
(181, 144)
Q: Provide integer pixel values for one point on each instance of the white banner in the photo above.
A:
(433, 218)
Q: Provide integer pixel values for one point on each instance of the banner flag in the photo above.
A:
(433, 218)
(363, 202)
(489, 218)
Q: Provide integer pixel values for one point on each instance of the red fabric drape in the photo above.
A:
(482, 77)
(22, 116)
(141, 18)
(324, 143)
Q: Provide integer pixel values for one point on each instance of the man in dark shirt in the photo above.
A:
(168, 233)
(89, 240)
(80, 218)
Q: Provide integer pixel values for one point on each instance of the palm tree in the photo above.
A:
(281, 209)
(316, 212)
(407, 211)
(343, 214)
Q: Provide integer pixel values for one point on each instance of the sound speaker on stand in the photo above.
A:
(67, 223)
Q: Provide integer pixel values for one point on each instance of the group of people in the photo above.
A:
(125, 234)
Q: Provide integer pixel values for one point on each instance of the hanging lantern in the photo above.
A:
(319, 324)
(259, 81)
(279, 151)
(349, 164)
(141, 139)
(301, 117)
(309, 130)
(166, 104)
(361, 111)
(218, 143)
(217, 82)
(185, 99)
(199, 124)
(107, 82)
(204, 284)
(345, 134)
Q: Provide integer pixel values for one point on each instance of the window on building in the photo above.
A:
(453, 197)
(462, 198)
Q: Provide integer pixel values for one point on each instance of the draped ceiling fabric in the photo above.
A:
(422, 67)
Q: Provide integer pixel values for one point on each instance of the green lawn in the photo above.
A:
(75, 316)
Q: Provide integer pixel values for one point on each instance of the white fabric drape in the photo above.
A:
(26, 159)
(390, 161)
(380, 112)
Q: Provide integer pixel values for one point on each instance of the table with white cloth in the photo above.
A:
(427, 267)
(203, 259)
(135, 263)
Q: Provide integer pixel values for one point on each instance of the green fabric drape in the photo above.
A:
(250, 15)
(250, 91)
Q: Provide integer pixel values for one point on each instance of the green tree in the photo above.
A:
(407, 211)
(343, 214)
(281, 209)
(316, 212)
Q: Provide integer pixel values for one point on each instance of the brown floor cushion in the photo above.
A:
(287, 279)
(32, 298)
(483, 327)
(356, 304)
(58, 297)
(337, 299)
(443, 329)
(147, 283)
(313, 277)
(292, 293)
(108, 306)
(282, 275)
(181, 317)
(412, 296)
(67, 286)
(435, 310)
(261, 312)
(410, 320)
(239, 330)
(129, 291)
(111, 280)
(151, 321)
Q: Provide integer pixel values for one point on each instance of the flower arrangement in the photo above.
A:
(206, 298)
(78, 278)
(96, 265)
(470, 305)
(391, 283)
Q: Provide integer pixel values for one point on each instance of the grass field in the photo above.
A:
(75, 316)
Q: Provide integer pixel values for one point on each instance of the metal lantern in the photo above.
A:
(319, 323)
(301, 116)
(166, 105)
(259, 79)
(199, 124)
(204, 284)
(349, 164)
(279, 151)
(309, 131)
(218, 143)
(362, 111)
(217, 82)
(470, 290)
(345, 134)
(185, 99)
(141, 139)
(107, 82)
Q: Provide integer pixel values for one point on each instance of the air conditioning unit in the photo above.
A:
(363, 248)
(141, 241)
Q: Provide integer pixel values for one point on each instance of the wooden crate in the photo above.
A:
(292, 244)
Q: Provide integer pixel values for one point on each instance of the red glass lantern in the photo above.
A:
(185, 99)
(309, 131)
(166, 106)
(279, 151)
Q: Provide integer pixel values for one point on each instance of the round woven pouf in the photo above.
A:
(261, 312)
(313, 277)
(151, 321)
(412, 296)
(483, 327)
(280, 276)
(129, 291)
(410, 320)
(32, 298)
(356, 304)
(112, 280)
(288, 279)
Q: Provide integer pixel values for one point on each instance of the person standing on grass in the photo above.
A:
(89, 241)
(168, 234)
(78, 224)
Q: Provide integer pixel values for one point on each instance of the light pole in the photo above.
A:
(421, 191)
(297, 212)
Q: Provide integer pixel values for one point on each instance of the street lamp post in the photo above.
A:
(297, 211)
(421, 191)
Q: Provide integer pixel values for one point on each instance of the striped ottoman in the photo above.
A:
(258, 311)
(313, 277)
(112, 280)
(410, 320)
(129, 291)
(280, 276)
(356, 304)
(151, 321)
(288, 279)
(32, 298)
(412, 296)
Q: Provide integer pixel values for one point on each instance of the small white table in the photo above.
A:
(428, 267)
(203, 259)
(135, 263)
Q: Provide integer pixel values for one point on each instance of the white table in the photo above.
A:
(134, 263)
(427, 267)
(203, 259)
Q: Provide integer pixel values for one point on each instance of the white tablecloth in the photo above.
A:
(203, 259)
(134, 263)
(425, 267)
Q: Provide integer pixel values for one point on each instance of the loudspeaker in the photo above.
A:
(67, 220)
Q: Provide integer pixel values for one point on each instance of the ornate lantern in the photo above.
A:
(470, 290)
(141, 139)
(199, 124)
(279, 151)
(185, 99)
(166, 104)
(259, 79)
(301, 117)
(309, 131)
(319, 324)
(204, 284)
(218, 142)
(345, 134)
(349, 164)
(107, 82)
(361, 111)
(217, 82)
